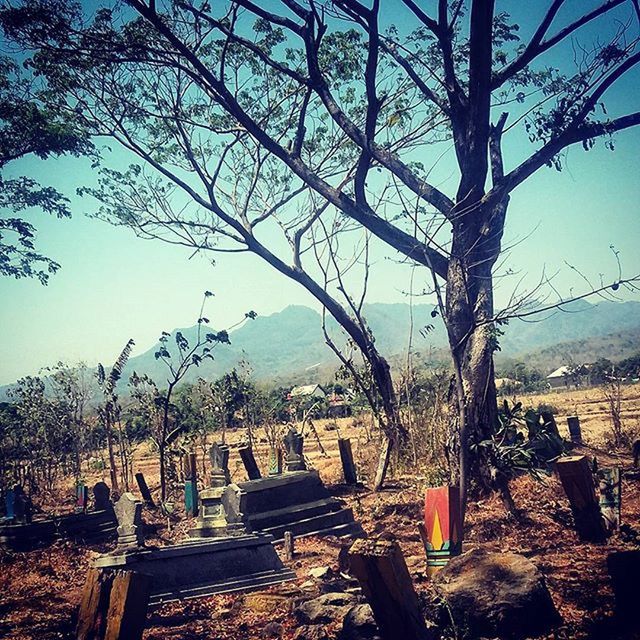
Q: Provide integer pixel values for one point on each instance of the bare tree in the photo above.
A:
(310, 97)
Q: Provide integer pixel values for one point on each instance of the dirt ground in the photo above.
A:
(40, 589)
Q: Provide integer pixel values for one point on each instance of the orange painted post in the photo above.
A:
(442, 531)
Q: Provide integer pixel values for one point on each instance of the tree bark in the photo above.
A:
(113, 470)
(472, 339)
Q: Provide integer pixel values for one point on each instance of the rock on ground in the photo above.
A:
(326, 608)
(359, 624)
(311, 632)
(496, 594)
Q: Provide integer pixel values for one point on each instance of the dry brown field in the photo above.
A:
(40, 589)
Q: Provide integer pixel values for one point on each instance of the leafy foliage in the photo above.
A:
(27, 126)
(521, 442)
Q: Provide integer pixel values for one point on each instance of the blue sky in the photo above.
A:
(113, 286)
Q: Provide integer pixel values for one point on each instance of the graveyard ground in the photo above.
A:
(40, 589)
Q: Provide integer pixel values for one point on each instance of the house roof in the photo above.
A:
(560, 372)
(305, 390)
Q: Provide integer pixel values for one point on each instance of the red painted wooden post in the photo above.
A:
(442, 531)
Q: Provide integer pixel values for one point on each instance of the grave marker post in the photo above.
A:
(386, 583)
(294, 443)
(219, 455)
(82, 497)
(190, 484)
(101, 496)
(249, 461)
(10, 504)
(128, 604)
(346, 457)
(577, 481)
(442, 530)
(275, 462)
(575, 431)
(289, 543)
(144, 490)
(610, 490)
(130, 525)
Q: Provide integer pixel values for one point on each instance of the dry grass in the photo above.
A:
(39, 590)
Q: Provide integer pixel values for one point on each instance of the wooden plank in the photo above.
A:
(346, 457)
(92, 615)
(144, 489)
(128, 606)
(289, 543)
(384, 578)
(610, 490)
(575, 432)
(577, 481)
(246, 454)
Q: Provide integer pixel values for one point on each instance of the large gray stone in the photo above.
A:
(496, 595)
(326, 608)
(359, 624)
(311, 632)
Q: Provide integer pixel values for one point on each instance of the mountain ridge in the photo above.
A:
(288, 346)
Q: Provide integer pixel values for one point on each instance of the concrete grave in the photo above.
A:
(196, 569)
(24, 533)
(297, 502)
(212, 517)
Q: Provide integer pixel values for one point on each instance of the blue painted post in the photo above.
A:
(82, 497)
(190, 485)
(10, 504)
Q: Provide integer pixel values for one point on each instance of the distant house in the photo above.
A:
(507, 382)
(339, 406)
(566, 377)
(307, 391)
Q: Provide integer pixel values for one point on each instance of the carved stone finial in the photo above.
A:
(294, 443)
(219, 455)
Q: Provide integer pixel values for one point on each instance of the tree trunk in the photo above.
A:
(113, 470)
(472, 341)
(163, 479)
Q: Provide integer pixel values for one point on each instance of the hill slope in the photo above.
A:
(289, 347)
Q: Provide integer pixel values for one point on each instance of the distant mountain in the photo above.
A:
(289, 347)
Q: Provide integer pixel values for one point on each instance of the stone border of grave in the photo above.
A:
(193, 568)
(96, 525)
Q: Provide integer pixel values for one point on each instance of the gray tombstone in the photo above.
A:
(575, 432)
(219, 455)
(294, 443)
(101, 496)
(249, 461)
(130, 526)
(21, 505)
(10, 504)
